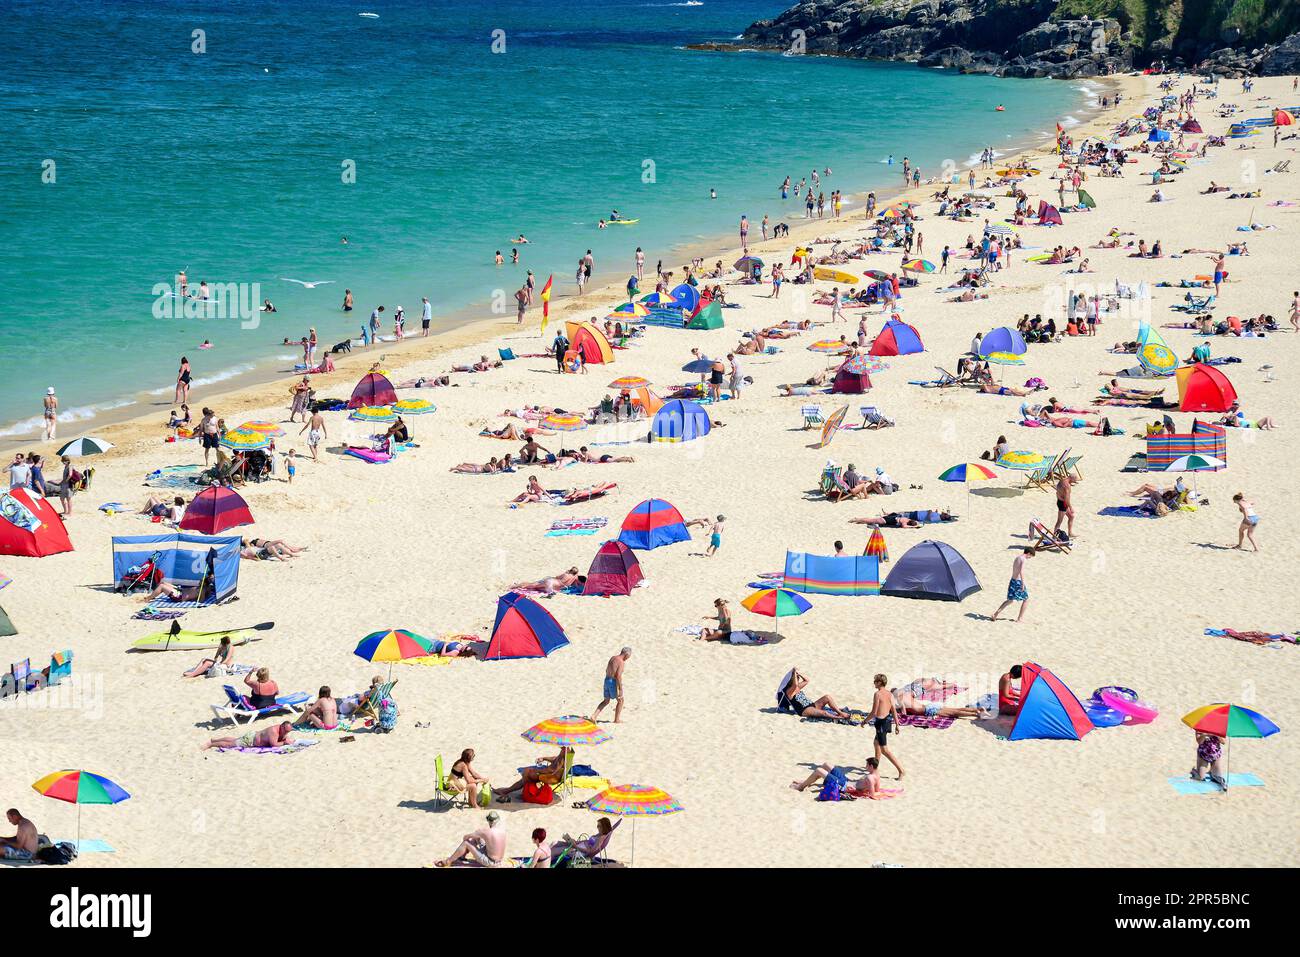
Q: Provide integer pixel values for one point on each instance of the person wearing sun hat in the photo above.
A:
(51, 414)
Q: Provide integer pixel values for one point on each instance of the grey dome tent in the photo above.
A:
(6, 626)
(933, 570)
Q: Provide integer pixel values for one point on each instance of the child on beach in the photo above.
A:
(1248, 521)
(1209, 748)
(290, 465)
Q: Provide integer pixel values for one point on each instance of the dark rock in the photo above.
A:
(1282, 59)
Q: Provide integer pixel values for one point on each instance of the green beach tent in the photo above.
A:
(710, 317)
(6, 626)
(1086, 200)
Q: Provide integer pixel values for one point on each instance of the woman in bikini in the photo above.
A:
(723, 631)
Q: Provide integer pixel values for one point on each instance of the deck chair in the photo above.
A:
(1071, 466)
(947, 379)
(812, 415)
(873, 418)
(832, 486)
(236, 706)
(571, 856)
(1042, 540)
(25, 679)
(1041, 478)
(565, 785)
(369, 707)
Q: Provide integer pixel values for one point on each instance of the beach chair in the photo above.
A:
(812, 415)
(60, 667)
(873, 418)
(1193, 305)
(947, 379)
(442, 789)
(832, 486)
(236, 706)
(565, 785)
(369, 708)
(1041, 477)
(25, 679)
(1042, 540)
(1070, 466)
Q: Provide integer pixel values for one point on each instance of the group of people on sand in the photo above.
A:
(486, 846)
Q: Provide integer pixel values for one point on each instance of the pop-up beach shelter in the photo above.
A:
(184, 560)
(708, 317)
(30, 526)
(589, 342)
(653, 523)
(1203, 388)
(1048, 709)
(686, 297)
(1192, 126)
(1048, 215)
(1158, 136)
(679, 420)
(214, 510)
(373, 389)
(6, 625)
(853, 376)
(523, 629)
(897, 339)
(614, 570)
(933, 570)
(1003, 339)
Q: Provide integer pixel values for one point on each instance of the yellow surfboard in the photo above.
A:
(835, 275)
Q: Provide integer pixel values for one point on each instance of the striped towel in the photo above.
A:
(576, 526)
(923, 721)
(283, 749)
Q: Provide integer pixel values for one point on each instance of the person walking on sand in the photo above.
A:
(715, 532)
(884, 718)
(613, 687)
(1248, 520)
(51, 414)
(315, 429)
(521, 301)
(1064, 505)
(1016, 588)
(1295, 311)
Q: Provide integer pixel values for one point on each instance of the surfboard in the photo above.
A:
(621, 222)
(178, 639)
(834, 275)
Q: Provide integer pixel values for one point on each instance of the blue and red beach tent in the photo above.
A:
(653, 523)
(1048, 709)
(523, 629)
(614, 571)
(897, 339)
(373, 389)
(214, 510)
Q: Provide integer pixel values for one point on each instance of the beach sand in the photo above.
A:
(409, 545)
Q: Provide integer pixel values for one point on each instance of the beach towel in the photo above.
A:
(693, 630)
(343, 727)
(89, 845)
(429, 661)
(282, 749)
(1261, 638)
(112, 507)
(1185, 785)
(153, 614)
(925, 721)
(368, 455)
(576, 526)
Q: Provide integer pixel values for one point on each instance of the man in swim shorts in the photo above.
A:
(1016, 590)
(315, 429)
(884, 718)
(613, 685)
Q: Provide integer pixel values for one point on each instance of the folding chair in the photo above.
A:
(812, 415)
(565, 787)
(831, 486)
(1042, 540)
(1041, 478)
(370, 707)
(442, 789)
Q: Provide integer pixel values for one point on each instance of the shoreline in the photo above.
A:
(125, 419)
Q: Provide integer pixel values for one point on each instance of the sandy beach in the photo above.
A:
(410, 545)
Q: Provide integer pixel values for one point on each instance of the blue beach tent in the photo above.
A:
(679, 420)
(1048, 709)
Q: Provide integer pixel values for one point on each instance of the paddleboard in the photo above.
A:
(834, 275)
(178, 639)
(621, 222)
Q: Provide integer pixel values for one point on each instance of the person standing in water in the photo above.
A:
(51, 414)
(426, 316)
(347, 300)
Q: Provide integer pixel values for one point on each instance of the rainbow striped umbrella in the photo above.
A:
(630, 382)
(266, 428)
(829, 346)
(373, 413)
(394, 644)
(1229, 721)
(776, 603)
(919, 265)
(244, 440)
(414, 407)
(564, 422)
(80, 787)
(569, 730)
(968, 472)
(831, 426)
(876, 545)
(5, 580)
(634, 801)
(628, 310)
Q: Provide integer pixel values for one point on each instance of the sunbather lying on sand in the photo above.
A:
(483, 365)
(891, 520)
(275, 736)
(806, 387)
(173, 592)
(509, 431)
(263, 549)
(795, 699)
(422, 383)
(492, 465)
(867, 786)
(549, 586)
(991, 388)
(908, 700)
(1114, 388)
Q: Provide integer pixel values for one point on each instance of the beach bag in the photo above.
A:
(536, 792)
(62, 853)
(387, 715)
(485, 796)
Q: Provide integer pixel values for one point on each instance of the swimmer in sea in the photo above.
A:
(521, 239)
(498, 258)
(601, 224)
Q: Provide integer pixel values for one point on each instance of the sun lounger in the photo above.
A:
(1042, 477)
(1043, 540)
(812, 415)
(236, 706)
(369, 707)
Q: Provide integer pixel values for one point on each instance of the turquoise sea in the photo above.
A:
(128, 156)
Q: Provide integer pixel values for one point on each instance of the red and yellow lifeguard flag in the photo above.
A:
(546, 301)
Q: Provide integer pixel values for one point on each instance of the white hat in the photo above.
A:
(50, 391)
(879, 470)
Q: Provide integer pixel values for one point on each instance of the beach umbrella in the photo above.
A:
(629, 382)
(393, 644)
(86, 445)
(919, 265)
(747, 264)
(373, 413)
(660, 299)
(564, 422)
(1003, 359)
(80, 787)
(628, 310)
(698, 365)
(568, 731)
(269, 429)
(414, 407)
(1000, 229)
(876, 274)
(776, 603)
(966, 473)
(1003, 340)
(1229, 721)
(832, 425)
(829, 346)
(244, 440)
(1196, 463)
(1021, 460)
(634, 801)
(862, 364)
(876, 545)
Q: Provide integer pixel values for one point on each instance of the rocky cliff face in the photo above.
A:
(1025, 38)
